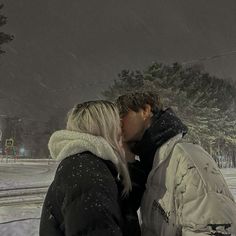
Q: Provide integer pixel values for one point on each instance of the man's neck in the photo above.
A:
(130, 157)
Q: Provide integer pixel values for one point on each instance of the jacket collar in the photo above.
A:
(64, 143)
(165, 150)
(164, 126)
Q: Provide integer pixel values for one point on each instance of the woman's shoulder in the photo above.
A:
(84, 164)
(80, 157)
(83, 172)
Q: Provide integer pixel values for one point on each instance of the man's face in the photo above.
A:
(133, 125)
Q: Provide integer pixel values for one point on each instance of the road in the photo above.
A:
(26, 174)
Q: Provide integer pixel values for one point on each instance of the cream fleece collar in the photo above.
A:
(64, 143)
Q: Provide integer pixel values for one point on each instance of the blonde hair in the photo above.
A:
(101, 118)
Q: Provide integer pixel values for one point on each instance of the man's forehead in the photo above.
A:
(130, 113)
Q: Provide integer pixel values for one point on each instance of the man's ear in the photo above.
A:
(147, 111)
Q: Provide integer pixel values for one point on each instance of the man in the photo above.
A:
(186, 193)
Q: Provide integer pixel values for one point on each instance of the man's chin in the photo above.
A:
(124, 140)
(134, 139)
(128, 140)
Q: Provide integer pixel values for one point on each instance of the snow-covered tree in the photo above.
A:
(205, 103)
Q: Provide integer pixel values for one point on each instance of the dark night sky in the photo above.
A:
(66, 52)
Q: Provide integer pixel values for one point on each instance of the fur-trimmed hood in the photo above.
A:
(64, 143)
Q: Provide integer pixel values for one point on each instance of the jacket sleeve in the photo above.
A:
(204, 210)
(90, 204)
(190, 233)
(217, 229)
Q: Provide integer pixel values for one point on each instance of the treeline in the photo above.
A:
(4, 38)
(205, 103)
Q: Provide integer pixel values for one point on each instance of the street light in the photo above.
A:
(22, 151)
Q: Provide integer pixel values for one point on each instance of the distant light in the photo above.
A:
(22, 150)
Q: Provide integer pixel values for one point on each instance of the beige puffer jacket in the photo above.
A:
(186, 194)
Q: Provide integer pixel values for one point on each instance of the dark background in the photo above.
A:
(65, 52)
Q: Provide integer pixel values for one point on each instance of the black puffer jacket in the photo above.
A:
(85, 197)
(82, 200)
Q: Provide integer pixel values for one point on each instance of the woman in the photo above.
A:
(88, 193)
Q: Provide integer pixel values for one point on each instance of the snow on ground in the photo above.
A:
(20, 220)
(23, 219)
(20, 174)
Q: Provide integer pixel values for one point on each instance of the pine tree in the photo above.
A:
(4, 38)
(206, 104)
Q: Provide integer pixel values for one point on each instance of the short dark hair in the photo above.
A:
(137, 100)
